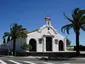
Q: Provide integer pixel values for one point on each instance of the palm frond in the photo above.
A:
(81, 13)
(68, 18)
(21, 34)
(83, 28)
(66, 28)
(6, 34)
(76, 11)
(82, 20)
(8, 39)
(75, 15)
(16, 31)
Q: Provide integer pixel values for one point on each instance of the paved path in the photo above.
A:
(23, 62)
(33, 60)
(36, 62)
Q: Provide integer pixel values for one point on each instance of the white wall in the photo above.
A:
(39, 34)
(19, 42)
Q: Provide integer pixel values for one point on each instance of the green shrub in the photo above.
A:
(26, 46)
(70, 48)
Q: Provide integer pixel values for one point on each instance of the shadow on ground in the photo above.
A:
(56, 59)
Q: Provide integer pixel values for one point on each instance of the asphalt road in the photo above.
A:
(37, 60)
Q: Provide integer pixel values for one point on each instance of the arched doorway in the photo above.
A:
(32, 42)
(61, 46)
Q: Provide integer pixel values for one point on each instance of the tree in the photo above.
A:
(68, 42)
(77, 22)
(26, 46)
(16, 31)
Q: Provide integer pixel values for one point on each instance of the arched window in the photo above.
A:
(61, 46)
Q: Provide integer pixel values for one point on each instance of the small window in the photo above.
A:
(40, 40)
(56, 41)
(48, 28)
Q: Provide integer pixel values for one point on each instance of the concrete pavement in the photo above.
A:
(37, 60)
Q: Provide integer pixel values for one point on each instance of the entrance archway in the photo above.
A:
(61, 46)
(32, 42)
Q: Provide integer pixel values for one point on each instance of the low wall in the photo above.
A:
(53, 54)
(81, 48)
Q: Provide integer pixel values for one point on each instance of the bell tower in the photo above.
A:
(48, 21)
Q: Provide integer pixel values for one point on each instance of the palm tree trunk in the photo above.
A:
(77, 44)
(14, 46)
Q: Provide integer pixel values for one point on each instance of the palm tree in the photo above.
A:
(4, 40)
(16, 31)
(77, 22)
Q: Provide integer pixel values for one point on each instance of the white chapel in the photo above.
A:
(43, 39)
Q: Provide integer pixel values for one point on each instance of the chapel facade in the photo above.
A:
(46, 39)
(43, 39)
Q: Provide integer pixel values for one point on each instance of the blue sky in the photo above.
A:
(31, 14)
